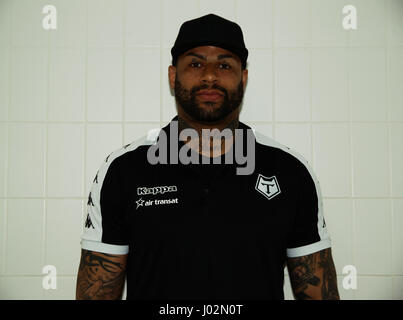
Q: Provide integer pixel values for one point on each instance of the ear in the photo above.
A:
(172, 76)
(244, 78)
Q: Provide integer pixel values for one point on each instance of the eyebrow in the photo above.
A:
(220, 56)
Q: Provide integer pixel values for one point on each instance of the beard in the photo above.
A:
(210, 111)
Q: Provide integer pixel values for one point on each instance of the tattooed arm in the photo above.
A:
(313, 277)
(100, 276)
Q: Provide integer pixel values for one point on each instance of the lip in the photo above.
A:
(209, 94)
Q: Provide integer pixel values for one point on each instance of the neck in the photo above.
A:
(207, 144)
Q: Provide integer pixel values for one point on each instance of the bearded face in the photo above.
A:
(203, 109)
(208, 83)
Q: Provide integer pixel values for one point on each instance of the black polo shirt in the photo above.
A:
(199, 231)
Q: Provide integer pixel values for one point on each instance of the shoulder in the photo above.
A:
(119, 159)
(285, 156)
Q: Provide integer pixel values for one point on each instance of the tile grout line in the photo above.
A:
(84, 164)
(353, 208)
(273, 61)
(131, 46)
(46, 147)
(310, 88)
(250, 121)
(324, 197)
(391, 202)
(161, 47)
(124, 53)
(124, 31)
(5, 235)
(67, 275)
(378, 275)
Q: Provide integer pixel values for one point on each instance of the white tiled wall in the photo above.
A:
(69, 97)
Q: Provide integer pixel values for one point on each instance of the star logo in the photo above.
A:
(139, 203)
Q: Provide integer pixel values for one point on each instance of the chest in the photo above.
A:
(170, 206)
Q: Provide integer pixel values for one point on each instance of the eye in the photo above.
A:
(225, 66)
(195, 64)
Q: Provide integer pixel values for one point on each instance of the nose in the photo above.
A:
(209, 73)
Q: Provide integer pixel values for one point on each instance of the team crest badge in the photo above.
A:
(268, 187)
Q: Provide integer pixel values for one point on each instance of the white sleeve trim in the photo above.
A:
(308, 249)
(94, 232)
(104, 247)
(321, 226)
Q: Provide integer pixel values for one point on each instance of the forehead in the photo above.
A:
(210, 51)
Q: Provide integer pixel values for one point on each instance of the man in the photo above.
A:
(204, 231)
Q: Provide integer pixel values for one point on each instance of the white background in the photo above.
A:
(71, 96)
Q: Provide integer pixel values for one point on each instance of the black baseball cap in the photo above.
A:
(210, 30)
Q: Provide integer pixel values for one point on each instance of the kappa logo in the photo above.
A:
(269, 187)
(88, 222)
(154, 190)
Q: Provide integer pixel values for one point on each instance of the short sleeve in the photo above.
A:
(105, 227)
(308, 233)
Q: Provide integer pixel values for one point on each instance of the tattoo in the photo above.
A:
(314, 276)
(100, 275)
(329, 286)
(209, 141)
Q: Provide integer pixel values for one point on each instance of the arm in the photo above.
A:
(100, 276)
(313, 277)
